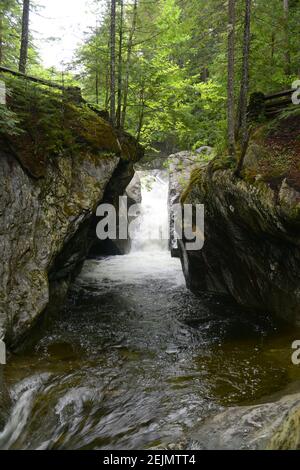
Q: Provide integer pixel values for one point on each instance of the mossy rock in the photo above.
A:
(50, 127)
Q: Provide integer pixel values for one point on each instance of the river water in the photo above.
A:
(135, 361)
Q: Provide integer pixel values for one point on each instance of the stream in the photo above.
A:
(135, 361)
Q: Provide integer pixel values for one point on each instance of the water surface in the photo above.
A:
(136, 361)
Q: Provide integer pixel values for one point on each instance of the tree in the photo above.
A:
(120, 64)
(24, 37)
(175, 68)
(243, 102)
(231, 76)
(128, 62)
(10, 19)
(113, 61)
(243, 98)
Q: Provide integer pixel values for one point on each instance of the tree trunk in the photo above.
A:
(24, 37)
(243, 105)
(113, 61)
(128, 60)
(97, 86)
(1, 37)
(287, 38)
(273, 42)
(230, 83)
(120, 78)
(243, 99)
(107, 78)
(142, 113)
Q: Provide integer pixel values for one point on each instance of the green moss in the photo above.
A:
(287, 436)
(52, 125)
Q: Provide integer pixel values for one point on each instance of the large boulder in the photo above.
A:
(180, 167)
(252, 242)
(45, 219)
(37, 220)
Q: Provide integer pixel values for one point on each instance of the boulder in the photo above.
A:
(252, 243)
(180, 167)
(45, 222)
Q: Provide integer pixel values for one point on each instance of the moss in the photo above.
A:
(287, 436)
(223, 163)
(52, 126)
(195, 179)
(278, 145)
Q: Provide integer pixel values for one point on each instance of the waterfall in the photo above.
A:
(152, 228)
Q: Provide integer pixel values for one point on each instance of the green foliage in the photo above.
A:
(10, 35)
(177, 69)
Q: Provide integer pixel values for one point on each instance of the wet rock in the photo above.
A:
(45, 222)
(38, 219)
(134, 190)
(252, 243)
(149, 163)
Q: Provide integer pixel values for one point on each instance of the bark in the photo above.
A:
(107, 78)
(128, 61)
(230, 83)
(24, 37)
(1, 38)
(287, 38)
(113, 62)
(243, 105)
(120, 68)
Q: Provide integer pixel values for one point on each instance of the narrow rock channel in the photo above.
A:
(136, 361)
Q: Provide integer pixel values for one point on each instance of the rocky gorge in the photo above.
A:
(221, 340)
(252, 229)
(46, 218)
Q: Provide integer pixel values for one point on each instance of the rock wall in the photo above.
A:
(180, 167)
(38, 218)
(252, 242)
(125, 182)
(44, 227)
(268, 426)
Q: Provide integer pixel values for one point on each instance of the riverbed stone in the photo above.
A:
(267, 426)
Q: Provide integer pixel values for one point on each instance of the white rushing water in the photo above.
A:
(153, 229)
(149, 258)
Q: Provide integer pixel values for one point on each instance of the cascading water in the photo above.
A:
(152, 232)
(135, 361)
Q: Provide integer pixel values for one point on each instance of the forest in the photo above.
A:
(161, 68)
